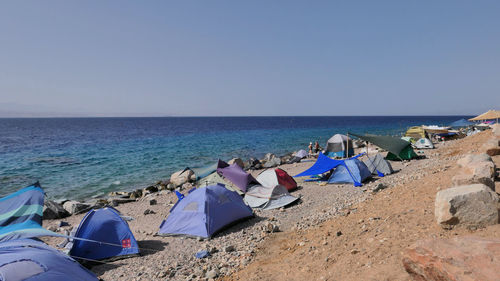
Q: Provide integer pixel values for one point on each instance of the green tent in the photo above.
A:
(398, 149)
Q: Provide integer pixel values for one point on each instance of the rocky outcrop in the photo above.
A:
(75, 207)
(469, 205)
(271, 160)
(252, 163)
(475, 169)
(461, 258)
(237, 161)
(53, 210)
(496, 130)
(181, 177)
(492, 147)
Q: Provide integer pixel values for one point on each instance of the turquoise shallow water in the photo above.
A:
(84, 157)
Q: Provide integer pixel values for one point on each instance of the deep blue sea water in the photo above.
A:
(84, 157)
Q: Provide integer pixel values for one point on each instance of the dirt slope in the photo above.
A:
(366, 241)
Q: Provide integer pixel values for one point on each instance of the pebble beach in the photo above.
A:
(237, 247)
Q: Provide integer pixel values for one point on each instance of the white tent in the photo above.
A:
(423, 143)
(267, 198)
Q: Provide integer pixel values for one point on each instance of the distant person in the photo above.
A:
(316, 147)
(310, 148)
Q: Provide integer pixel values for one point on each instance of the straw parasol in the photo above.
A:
(488, 115)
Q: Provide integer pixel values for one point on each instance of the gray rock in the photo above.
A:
(117, 201)
(465, 161)
(181, 177)
(53, 210)
(136, 194)
(476, 172)
(229, 249)
(152, 202)
(75, 207)
(237, 161)
(212, 274)
(170, 186)
(148, 211)
(271, 160)
(468, 205)
(187, 186)
(150, 189)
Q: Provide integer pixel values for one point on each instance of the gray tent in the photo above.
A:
(267, 198)
(214, 179)
(378, 163)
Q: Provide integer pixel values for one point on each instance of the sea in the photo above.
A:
(83, 158)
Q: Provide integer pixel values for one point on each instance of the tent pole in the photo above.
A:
(347, 152)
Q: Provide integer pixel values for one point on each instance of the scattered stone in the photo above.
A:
(379, 187)
(460, 258)
(170, 186)
(212, 274)
(469, 205)
(152, 202)
(187, 186)
(229, 249)
(63, 223)
(339, 233)
(118, 201)
(75, 207)
(150, 189)
(148, 212)
(271, 160)
(181, 177)
(52, 228)
(121, 194)
(53, 210)
(136, 194)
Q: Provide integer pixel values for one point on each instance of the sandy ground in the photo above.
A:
(335, 232)
(374, 232)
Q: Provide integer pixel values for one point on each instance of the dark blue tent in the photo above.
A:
(21, 214)
(110, 237)
(461, 123)
(205, 211)
(27, 259)
(351, 171)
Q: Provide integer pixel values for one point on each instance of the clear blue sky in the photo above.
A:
(115, 58)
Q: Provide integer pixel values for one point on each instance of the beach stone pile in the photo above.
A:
(478, 168)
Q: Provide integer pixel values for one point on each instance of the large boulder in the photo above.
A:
(492, 147)
(271, 160)
(53, 210)
(251, 163)
(465, 161)
(460, 258)
(75, 207)
(468, 205)
(181, 177)
(238, 162)
(496, 130)
(477, 172)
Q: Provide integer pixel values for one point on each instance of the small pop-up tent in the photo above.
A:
(204, 211)
(28, 259)
(297, 157)
(378, 164)
(339, 146)
(398, 149)
(351, 171)
(106, 236)
(274, 177)
(236, 175)
(214, 179)
(267, 198)
(423, 143)
(322, 165)
(21, 214)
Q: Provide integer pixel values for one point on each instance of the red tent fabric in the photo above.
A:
(285, 179)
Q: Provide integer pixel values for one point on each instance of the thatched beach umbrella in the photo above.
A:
(488, 115)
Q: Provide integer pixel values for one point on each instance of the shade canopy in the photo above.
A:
(488, 115)
(461, 123)
(398, 147)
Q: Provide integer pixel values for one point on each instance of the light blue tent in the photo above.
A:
(103, 234)
(27, 259)
(21, 214)
(350, 171)
(204, 212)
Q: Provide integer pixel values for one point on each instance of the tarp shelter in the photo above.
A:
(488, 115)
(339, 146)
(461, 123)
(267, 198)
(378, 163)
(110, 237)
(416, 132)
(21, 214)
(274, 177)
(236, 175)
(322, 165)
(398, 149)
(423, 143)
(27, 259)
(350, 171)
(204, 211)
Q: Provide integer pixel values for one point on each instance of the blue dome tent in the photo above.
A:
(110, 237)
(27, 259)
(204, 211)
(350, 171)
